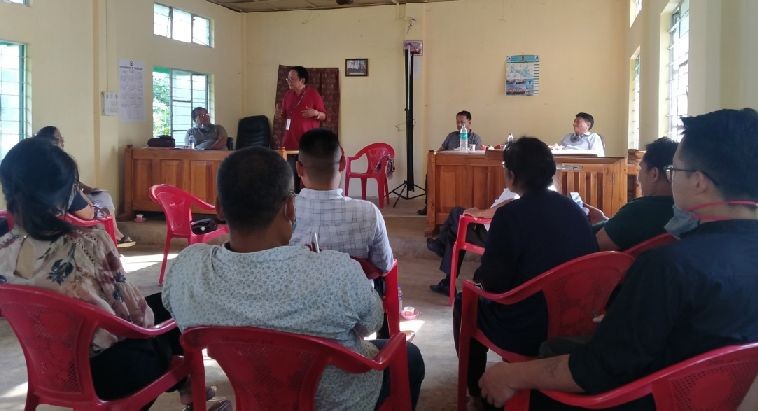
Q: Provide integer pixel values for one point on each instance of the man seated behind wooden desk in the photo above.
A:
(207, 136)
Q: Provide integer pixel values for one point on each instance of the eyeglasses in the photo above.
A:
(669, 169)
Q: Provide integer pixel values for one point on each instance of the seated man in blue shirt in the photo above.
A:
(452, 141)
(679, 300)
(582, 138)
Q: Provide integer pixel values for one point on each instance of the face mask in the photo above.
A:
(685, 221)
(682, 222)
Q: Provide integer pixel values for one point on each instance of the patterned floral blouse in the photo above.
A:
(83, 264)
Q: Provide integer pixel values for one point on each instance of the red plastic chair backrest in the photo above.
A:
(716, 381)
(55, 332)
(377, 155)
(275, 370)
(8, 218)
(657, 241)
(107, 222)
(575, 291)
(177, 206)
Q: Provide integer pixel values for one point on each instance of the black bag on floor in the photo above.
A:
(204, 225)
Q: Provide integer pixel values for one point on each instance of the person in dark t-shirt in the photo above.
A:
(680, 300)
(644, 217)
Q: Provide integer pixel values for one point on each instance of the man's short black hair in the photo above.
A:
(660, 153)
(253, 184)
(320, 154)
(48, 133)
(724, 146)
(464, 113)
(302, 73)
(196, 112)
(586, 117)
(531, 162)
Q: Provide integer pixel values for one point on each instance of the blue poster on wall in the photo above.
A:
(522, 75)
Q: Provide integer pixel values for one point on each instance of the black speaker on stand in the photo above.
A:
(404, 190)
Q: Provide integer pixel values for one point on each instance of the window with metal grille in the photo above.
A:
(635, 7)
(181, 25)
(14, 116)
(678, 68)
(175, 93)
(634, 106)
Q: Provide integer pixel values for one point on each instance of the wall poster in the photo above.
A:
(131, 93)
(522, 75)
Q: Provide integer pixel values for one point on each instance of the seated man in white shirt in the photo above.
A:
(582, 138)
(342, 223)
(257, 279)
(476, 234)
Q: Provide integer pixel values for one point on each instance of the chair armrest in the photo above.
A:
(467, 219)
(123, 328)
(202, 204)
(383, 359)
(644, 386)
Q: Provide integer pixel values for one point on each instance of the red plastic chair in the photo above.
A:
(8, 218)
(391, 300)
(377, 155)
(276, 370)
(657, 241)
(55, 332)
(716, 381)
(177, 206)
(107, 222)
(575, 292)
(461, 244)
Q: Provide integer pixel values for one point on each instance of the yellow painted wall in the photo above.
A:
(584, 45)
(723, 58)
(463, 67)
(73, 49)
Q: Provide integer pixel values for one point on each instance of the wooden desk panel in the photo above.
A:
(477, 179)
(192, 171)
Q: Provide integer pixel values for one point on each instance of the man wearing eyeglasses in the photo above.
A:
(582, 138)
(207, 136)
(679, 300)
(644, 217)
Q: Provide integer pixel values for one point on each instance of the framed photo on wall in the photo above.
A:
(356, 67)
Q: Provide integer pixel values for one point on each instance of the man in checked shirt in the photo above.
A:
(355, 227)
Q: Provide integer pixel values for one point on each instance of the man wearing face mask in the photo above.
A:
(207, 136)
(679, 300)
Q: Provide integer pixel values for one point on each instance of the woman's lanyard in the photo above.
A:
(300, 100)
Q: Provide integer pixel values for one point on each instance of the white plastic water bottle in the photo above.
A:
(463, 141)
(191, 142)
(510, 138)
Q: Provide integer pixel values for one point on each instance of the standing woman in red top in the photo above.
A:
(302, 108)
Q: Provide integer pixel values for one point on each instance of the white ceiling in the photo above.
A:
(246, 6)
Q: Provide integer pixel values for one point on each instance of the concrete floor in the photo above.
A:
(417, 269)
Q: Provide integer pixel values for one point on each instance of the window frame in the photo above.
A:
(678, 70)
(193, 16)
(207, 97)
(23, 98)
(634, 106)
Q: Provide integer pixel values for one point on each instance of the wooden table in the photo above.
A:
(476, 179)
(191, 170)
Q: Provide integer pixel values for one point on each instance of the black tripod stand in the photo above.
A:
(404, 190)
